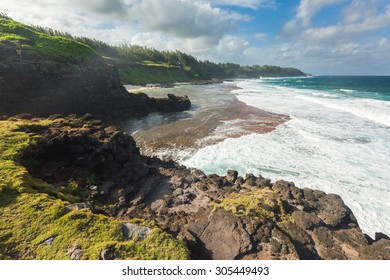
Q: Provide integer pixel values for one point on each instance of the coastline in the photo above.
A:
(146, 87)
(143, 208)
(72, 186)
(321, 147)
(196, 139)
(215, 116)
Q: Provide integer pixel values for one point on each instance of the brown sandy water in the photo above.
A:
(216, 115)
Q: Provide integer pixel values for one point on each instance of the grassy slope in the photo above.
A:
(31, 39)
(32, 211)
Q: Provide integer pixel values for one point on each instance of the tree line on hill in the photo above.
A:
(141, 55)
(139, 64)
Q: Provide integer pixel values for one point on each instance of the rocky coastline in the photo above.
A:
(217, 217)
(75, 188)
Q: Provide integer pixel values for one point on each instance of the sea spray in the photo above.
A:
(333, 143)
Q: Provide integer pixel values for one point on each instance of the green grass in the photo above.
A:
(158, 64)
(35, 41)
(262, 203)
(33, 218)
(12, 173)
(32, 211)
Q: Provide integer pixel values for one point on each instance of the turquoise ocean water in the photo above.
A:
(338, 140)
(371, 87)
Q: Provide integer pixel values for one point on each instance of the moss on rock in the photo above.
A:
(35, 222)
(261, 203)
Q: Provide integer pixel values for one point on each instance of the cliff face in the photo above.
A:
(33, 84)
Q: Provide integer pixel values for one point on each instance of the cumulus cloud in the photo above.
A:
(112, 7)
(326, 59)
(190, 19)
(252, 4)
(260, 36)
(358, 17)
(308, 8)
(305, 12)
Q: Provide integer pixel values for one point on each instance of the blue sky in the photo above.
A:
(317, 36)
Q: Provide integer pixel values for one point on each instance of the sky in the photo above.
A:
(320, 37)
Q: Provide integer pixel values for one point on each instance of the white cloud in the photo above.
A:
(341, 47)
(260, 36)
(360, 18)
(358, 10)
(348, 58)
(304, 14)
(252, 4)
(190, 19)
(308, 8)
(228, 48)
(112, 7)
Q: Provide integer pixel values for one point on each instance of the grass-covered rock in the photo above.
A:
(260, 203)
(36, 221)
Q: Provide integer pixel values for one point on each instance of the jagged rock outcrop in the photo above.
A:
(43, 86)
(219, 217)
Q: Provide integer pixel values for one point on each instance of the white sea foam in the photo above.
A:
(347, 90)
(337, 145)
(375, 110)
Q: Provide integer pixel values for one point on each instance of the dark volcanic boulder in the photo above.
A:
(232, 242)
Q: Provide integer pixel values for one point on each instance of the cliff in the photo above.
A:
(44, 74)
(42, 86)
(75, 188)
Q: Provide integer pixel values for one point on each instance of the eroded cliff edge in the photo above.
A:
(44, 85)
(91, 171)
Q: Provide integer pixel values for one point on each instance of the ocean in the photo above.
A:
(337, 139)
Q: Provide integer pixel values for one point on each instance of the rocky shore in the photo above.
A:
(217, 217)
(76, 188)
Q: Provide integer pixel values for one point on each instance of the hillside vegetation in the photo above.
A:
(140, 65)
(136, 64)
(32, 39)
